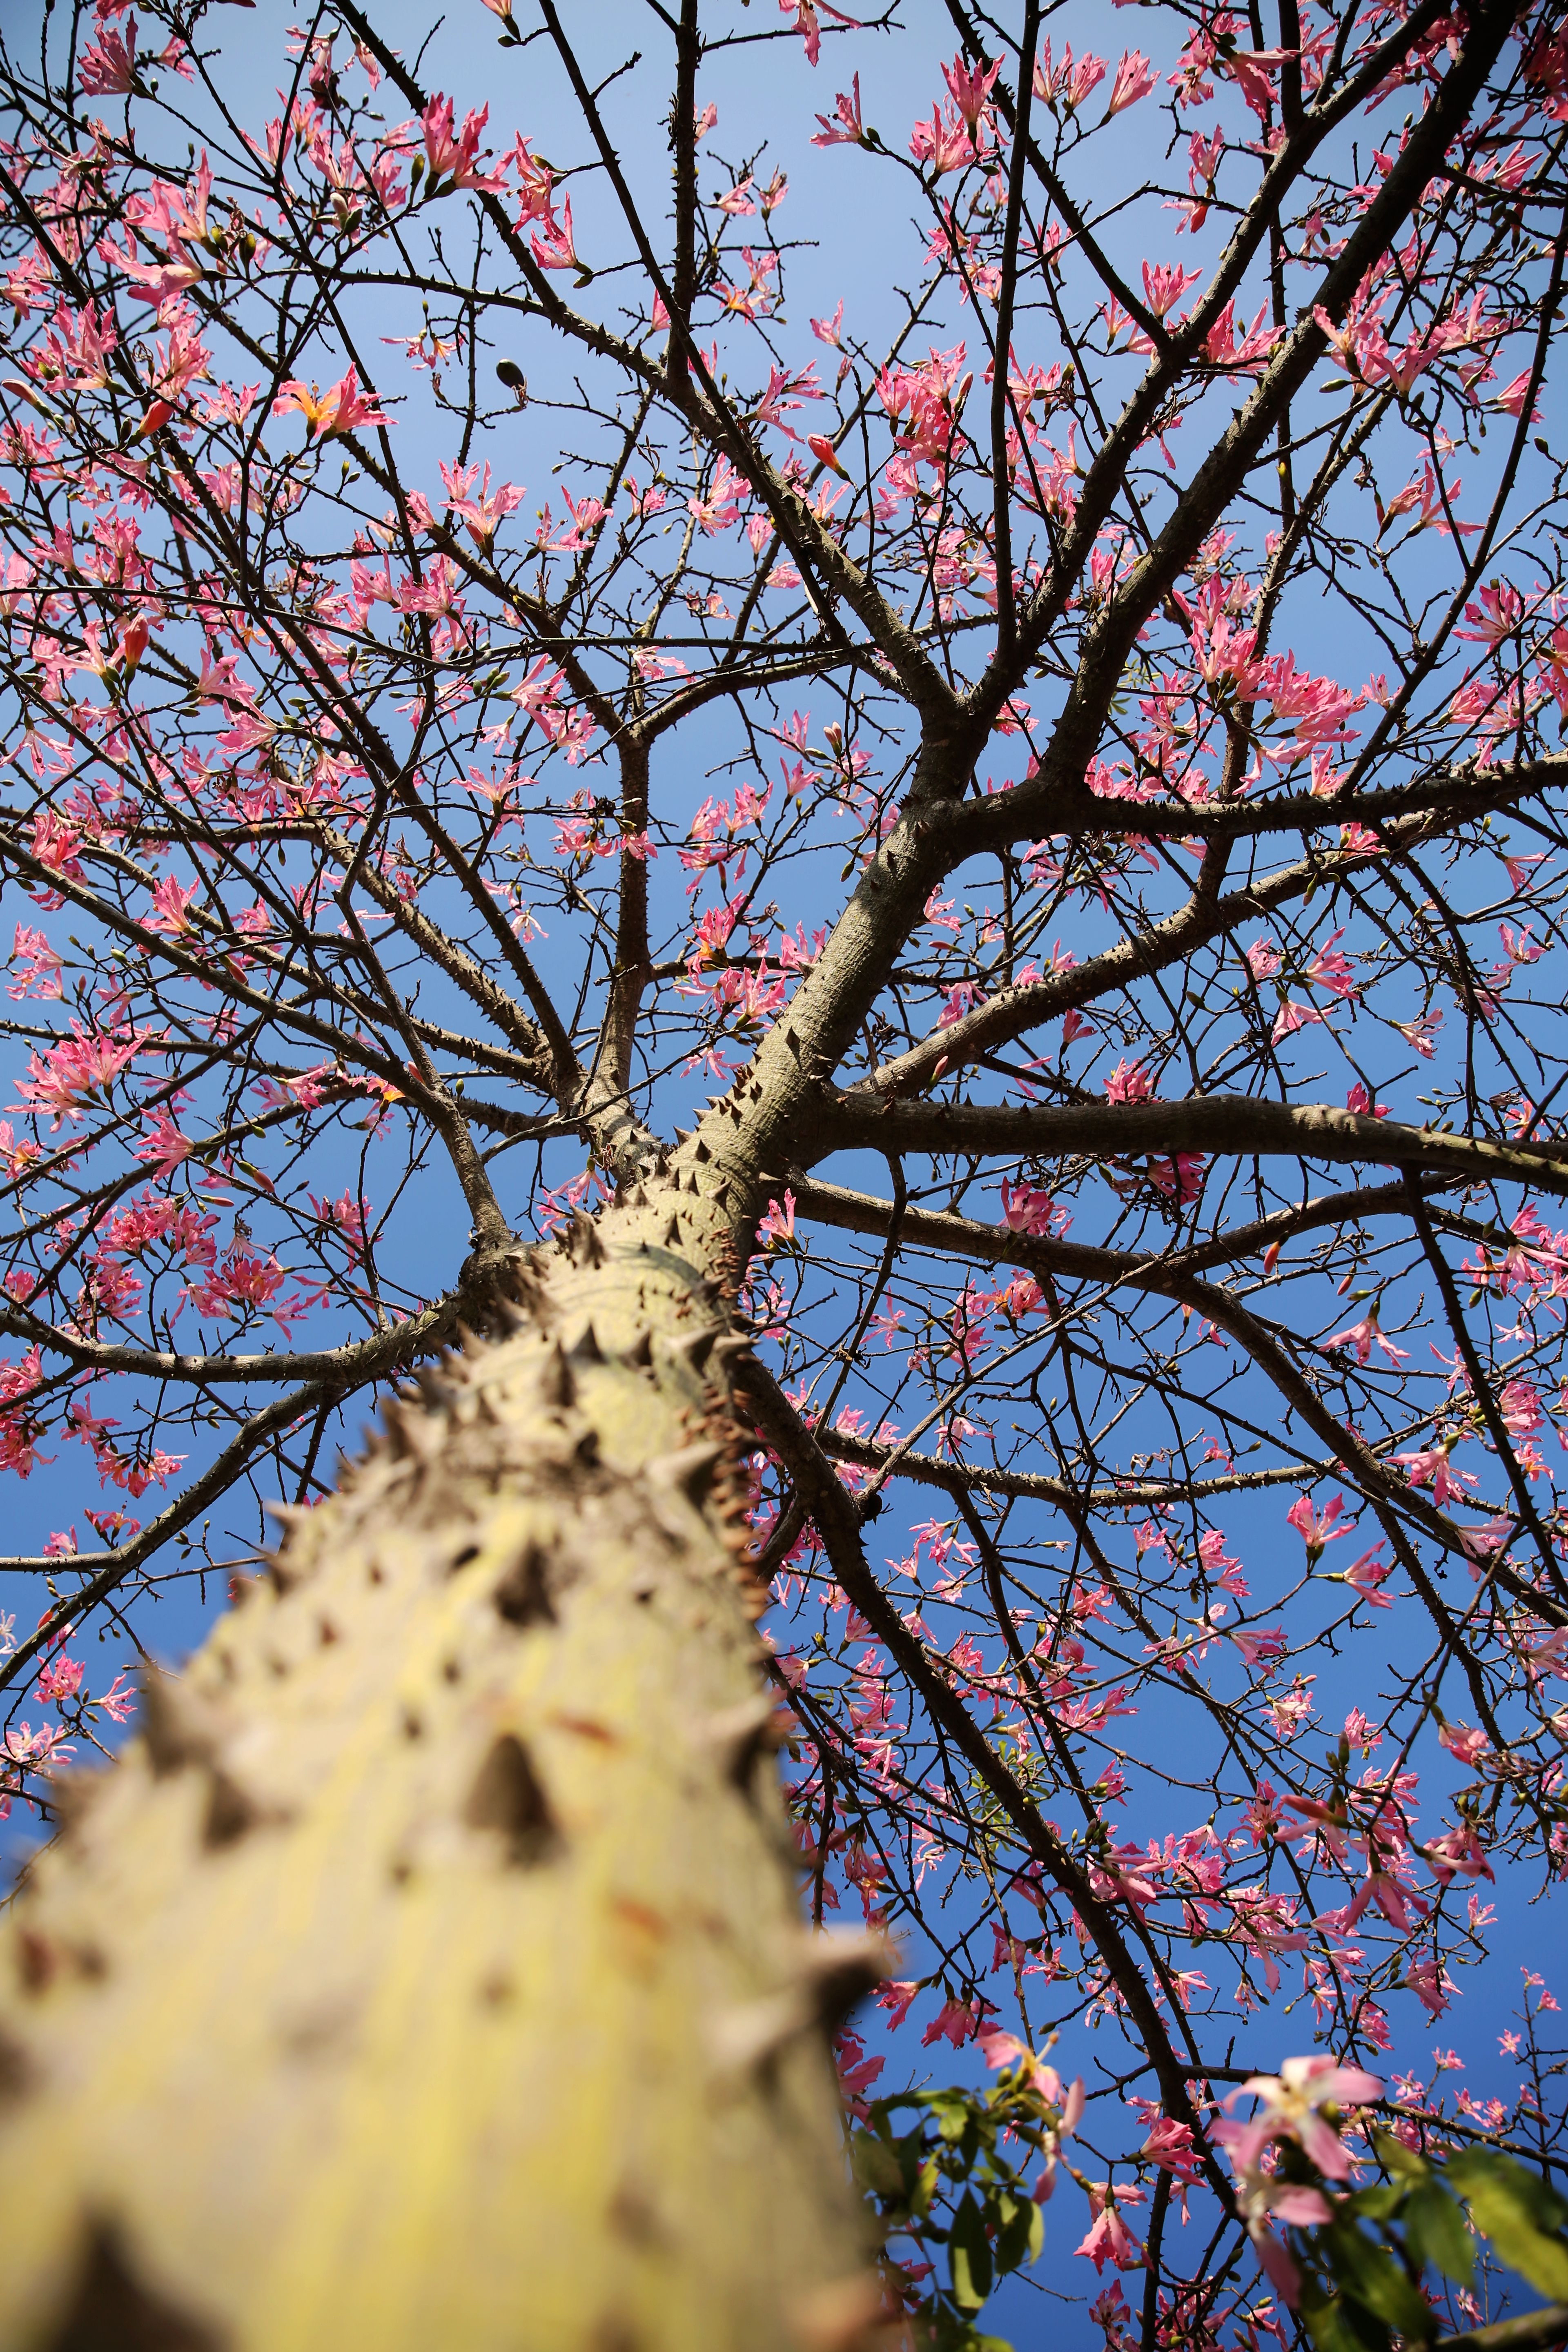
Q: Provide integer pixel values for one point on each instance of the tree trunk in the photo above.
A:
(428, 1973)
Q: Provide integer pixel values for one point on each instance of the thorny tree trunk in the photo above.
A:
(427, 1974)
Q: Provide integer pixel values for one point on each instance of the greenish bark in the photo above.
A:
(427, 1975)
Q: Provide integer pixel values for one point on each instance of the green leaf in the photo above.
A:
(969, 2256)
(877, 2166)
(1403, 2162)
(1020, 2231)
(1370, 2276)
(912, 2155)
(950, 2333)
(1381, 2203)
(1335, 2325)
(1520, 2212)
(1545, 2207)
(1434, 2232)
(950, 2110)
(1363, 2329)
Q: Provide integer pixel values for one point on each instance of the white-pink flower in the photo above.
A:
(1293, 2101)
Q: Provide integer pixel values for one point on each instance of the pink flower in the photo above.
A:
(1291, 1017)
(1367, 1576)
(40, 967)
(843, 129)
(1260, 2194)
(1005, 2050)
(164, 1147)
(339, 409)
(1430, 1469)
(945, 142)
(1169, 2145)
(958, 1002)
(1458, 1854)
(1459, 1740)
(453, 155)
(1180, 1177)
(109, 69)
(1430, 1983)
(1245, 357)
(1109, 2239)
(896, 1997)
(1292, 2101)
(118, 1700)
(556, 249)
(536, 183)
(1129, 1082)
(1364, 1336)
(1496, 615)
(857, 2073)
(1330, 969)
(1163, 286)
(346, 1214)
(808, 26)
(1514, 396)
(81, 1067)
(970, 87)
(1317, 1532)
(778, 1225)
(61, 1679)
(1026, 1210)
(171, 903)
(955, 2021)
(156, 283)
(483, 513)
(55, 845)
(131, 643)
(1068, 84)
(1135, 78)
(22, 1745)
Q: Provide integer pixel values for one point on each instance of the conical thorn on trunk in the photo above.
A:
(585, 1347)
(583, 1242)
(689, 1471)
(740, 1735)
(177, 1727)
(838, 1967)
(695, 1348)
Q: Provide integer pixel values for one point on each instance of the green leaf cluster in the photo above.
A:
(1362, 2284)
(944, 2181)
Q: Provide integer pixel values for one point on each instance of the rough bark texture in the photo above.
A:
(427, 1974)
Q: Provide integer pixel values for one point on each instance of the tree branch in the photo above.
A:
(1228, 1125)
(833, 1511)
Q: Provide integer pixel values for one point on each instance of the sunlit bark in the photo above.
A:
(428, 1972)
